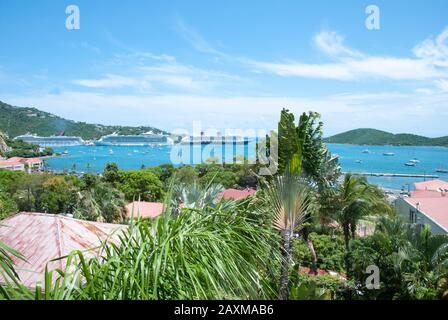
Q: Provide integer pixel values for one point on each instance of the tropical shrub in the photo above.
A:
(329, 251)
(140, 184)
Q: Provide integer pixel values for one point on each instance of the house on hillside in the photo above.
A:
(29, 165)
(427, 205)
(42, 237)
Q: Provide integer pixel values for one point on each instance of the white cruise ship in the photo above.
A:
(214, 139)
(52, 141)
(146, 139)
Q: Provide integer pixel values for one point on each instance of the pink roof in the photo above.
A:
(236, 194)
(426, 194)
(25, 160)
(10, 162)
(43, 237)
(434, 185)
(32, 160)
(144, 209)
(436, 208)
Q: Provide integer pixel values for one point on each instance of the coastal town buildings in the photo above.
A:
(28, 165)
(427, 205)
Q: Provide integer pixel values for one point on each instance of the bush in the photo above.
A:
(7, 206)
(329, 250)
(140, 184)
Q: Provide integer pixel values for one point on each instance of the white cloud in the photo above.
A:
(196, 39)
(390, 111)
(332, 43)
(109, 81)
(351, 64)
(442, 85)
(434, 50)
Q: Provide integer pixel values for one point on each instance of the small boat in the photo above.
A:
(365, 151)
(414, 161)
(441, 170)
(388, 154)
(111, 152)
(410, 164)
(358, 161)
(65, 152)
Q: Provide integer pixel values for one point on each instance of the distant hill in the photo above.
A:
(15, 121)
(378, 137)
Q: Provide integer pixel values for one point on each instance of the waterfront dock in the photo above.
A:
(401, 175)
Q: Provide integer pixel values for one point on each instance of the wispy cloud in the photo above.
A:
(149, 72)
(195, 39)
(352, 64)
(109, 81)
(391, 111)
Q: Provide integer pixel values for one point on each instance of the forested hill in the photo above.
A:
(15, 121)
(378, 137)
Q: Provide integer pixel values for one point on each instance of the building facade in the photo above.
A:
(427, 205)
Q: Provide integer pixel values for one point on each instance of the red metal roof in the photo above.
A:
(434, 185)
(144, 209)
(236, 194)
(432, 204)
(43, 237)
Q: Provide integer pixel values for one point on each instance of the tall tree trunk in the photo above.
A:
(286, 258)
(346, 229)
(353, 230)
(309, 243)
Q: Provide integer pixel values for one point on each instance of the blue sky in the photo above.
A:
(230, 64)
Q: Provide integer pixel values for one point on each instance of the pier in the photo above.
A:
(401, 175)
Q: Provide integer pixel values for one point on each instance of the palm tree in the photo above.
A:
(196, 196)
(8, 274)
(350, 202)
(290, 200)
(101, 203)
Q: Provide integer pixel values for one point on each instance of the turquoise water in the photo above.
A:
(94, 158)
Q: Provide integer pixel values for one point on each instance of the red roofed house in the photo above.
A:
(12, 165)
(427, 205)
(432, 185)
(22, 164)
(236, 194)
(42, 237)
(144, 209)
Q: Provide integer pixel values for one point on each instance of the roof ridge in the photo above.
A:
(59, 239)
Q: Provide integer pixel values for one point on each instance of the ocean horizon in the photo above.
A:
(353, 158)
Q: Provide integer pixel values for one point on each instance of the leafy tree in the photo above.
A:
(330, 252)
(7, 206)
(111, 174)
(218, 175)
(9, 180)
(58, 195)
(185, 175)
(141, 184)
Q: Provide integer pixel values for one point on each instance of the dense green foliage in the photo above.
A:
(204, 247)
(16, 121)
(329, 249)
(140, 184)
(378, 137)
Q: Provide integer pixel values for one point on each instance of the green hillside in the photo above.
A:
(15, 121)
(378, 137)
